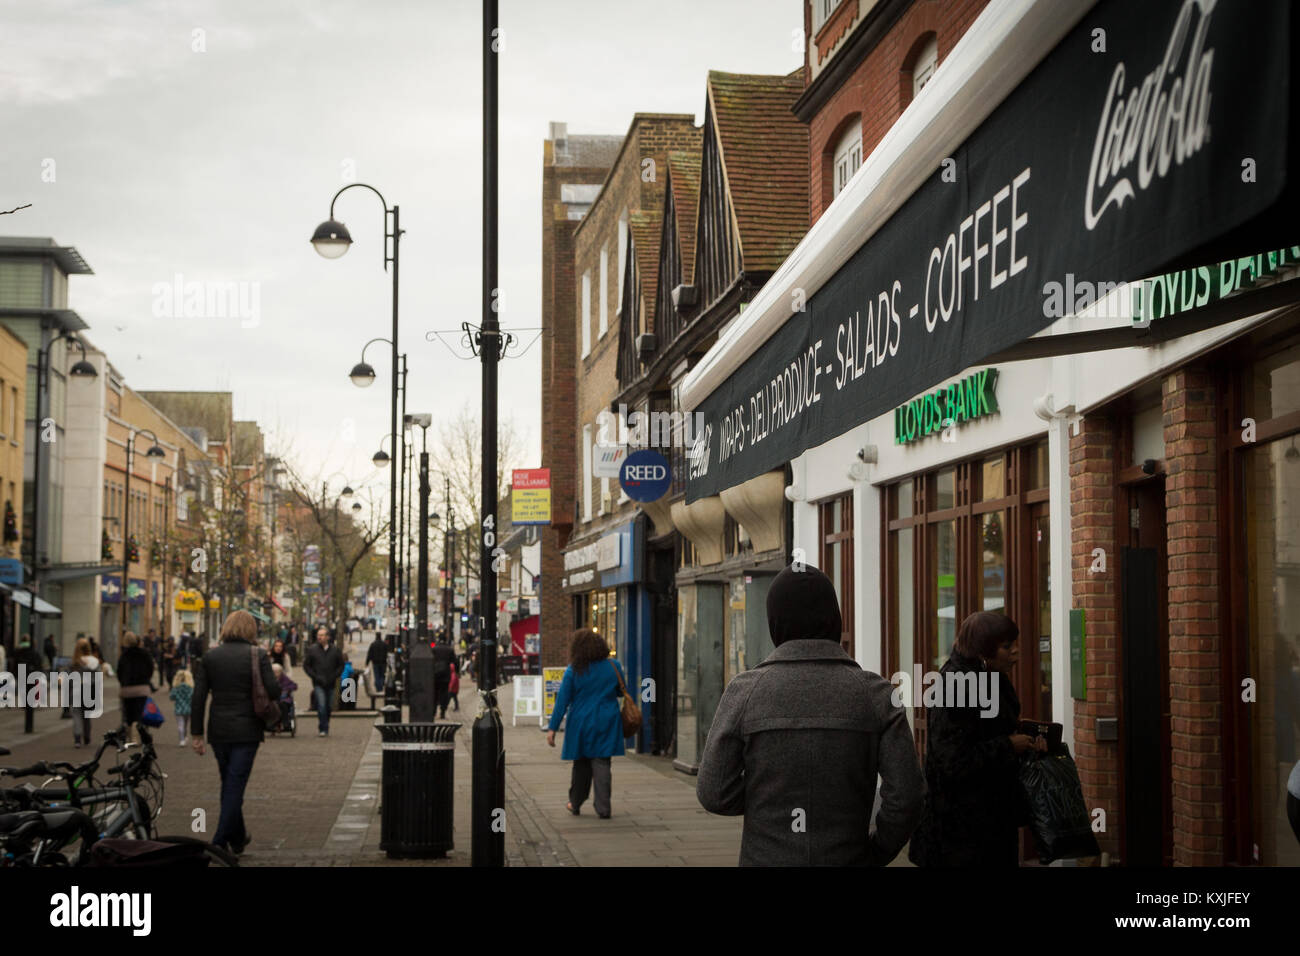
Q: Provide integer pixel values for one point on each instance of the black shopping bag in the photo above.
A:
(1058, 816)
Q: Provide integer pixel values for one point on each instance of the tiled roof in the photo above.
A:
(211, 411)
(684, 177)
(645, 227)
(765, 152)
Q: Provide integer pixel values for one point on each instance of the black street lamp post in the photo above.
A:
(154, 452)
(332, 240)
(489, 759)
(363, 376)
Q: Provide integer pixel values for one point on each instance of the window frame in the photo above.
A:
(832, 534)
(847, 151)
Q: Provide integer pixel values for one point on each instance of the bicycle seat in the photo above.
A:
(67, 823)
(12, 821)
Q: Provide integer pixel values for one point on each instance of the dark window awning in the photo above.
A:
(27, 599)
(1076, 175)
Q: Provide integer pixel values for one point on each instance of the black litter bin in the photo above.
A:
(418, 787)
(392, 714)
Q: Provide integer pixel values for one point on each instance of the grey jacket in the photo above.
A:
(796, 746)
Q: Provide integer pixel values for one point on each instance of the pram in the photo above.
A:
(288, 717)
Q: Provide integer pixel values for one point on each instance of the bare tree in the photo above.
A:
(458, 456)
(345, 535)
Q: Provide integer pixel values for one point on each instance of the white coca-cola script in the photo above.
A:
(1151, 124)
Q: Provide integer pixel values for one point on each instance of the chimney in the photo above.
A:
(560, 135)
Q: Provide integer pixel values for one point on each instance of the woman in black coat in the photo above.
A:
(973, 807)
(232, 725)
(134, 678)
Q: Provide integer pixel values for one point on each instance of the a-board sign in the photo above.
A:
(551, 679)
(528, 696)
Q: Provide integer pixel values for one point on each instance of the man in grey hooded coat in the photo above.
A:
(797, 743)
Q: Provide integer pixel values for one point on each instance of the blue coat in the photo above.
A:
(595, 727)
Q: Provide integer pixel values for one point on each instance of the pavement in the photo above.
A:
(315, 801)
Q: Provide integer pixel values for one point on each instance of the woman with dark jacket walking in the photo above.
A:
(973, 807)
(590, 694)
(233, 726)
(134, 678)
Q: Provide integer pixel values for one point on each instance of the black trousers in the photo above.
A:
(442, 693)
(584, 770)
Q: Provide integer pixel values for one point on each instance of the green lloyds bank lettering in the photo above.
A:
(972, 397)
(1165, 295)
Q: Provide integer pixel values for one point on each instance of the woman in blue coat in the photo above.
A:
(590, 694)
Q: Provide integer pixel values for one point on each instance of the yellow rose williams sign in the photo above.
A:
(530, 496)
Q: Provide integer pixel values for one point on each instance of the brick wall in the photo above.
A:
(881, 87)
(1196, 631)
(631, 188)
(1092, 526)
(558, 413)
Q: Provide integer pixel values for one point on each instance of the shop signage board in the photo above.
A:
(11, 571)
(551, 680)
(1078, 656)
(528, 697)
(1102, 166)
(1174, 292)
(530, 496)
(606, 460)
(973, 397)
(645, 475)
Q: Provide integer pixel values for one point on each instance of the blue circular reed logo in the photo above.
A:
(645, 475)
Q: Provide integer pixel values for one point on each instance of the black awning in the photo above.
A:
(1155, 135)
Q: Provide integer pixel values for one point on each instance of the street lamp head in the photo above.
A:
(434, 519)
(347, 492)
(362, 375)
(331, 239)
(155, 452)
(356, 506)
(83, 369)
(381, 459)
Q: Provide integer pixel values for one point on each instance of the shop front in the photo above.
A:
(1031, 379)
(606, 581)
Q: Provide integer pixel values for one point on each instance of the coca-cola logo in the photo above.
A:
(1156, 124)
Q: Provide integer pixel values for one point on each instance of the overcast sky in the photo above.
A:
(216, 165)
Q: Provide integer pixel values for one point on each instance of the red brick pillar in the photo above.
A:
(1195, 627)
(1092, 532)
(560, 436)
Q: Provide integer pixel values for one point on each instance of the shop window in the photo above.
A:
(1273, 385)
(836, 535)
(604, 617)
(1038, 466)
(964, 538)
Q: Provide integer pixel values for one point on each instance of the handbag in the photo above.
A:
(267, 710)
(1059, 817)
(152, 716)
(628, 709)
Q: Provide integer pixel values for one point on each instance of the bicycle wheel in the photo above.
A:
(216, 856)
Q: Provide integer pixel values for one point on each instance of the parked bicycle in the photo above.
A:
(42, 826)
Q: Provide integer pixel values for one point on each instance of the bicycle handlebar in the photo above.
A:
(37, 769)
